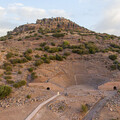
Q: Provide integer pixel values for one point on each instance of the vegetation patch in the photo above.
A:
(5, 91)
(19, 84)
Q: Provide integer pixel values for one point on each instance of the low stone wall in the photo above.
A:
(110, 86)
(46, 85)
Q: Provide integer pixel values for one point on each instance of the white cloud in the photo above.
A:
(17, 13)
(111, 19)
(2, 12)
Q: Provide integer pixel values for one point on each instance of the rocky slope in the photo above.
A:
(59, 52)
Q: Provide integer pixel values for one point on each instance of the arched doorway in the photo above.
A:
(48, 88)
(114, 88)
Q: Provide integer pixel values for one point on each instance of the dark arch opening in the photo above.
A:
(114, 88)
(48, 88)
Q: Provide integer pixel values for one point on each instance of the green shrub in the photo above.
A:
(84, 108)
(47, 61)
(114, 45)
(38, 62)
(60, 49)
(43, 44)
(15, 61)
(19, 84)
(57, 35)
(28, 57)
(10, 81)
(33, 75)
(59, 57)
(91, 47)
(52, 43)
(2, 38)
(113, 67)
(8, 73)
(8, 77)
(7, 66)
(113, 57)
(37, 56)
(27, 37)
(65, 44)
(40, 49)
(118, 91)
(52, 57)
(28, 96)
(30, 69)
(27, 52)
(35, 34)
(66, 53)
(9, 55)
(5, 91)
(46, 47)
(19, 72)
(55, 49)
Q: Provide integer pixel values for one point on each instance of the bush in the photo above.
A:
(9, 55)
(29, 51)
(52, 43)
(19, 84)
(55, 49)
(19, 72)
(91, 47)
(10, 81)
(52, 57)
(39, 62)
(7, 66)
(67, 53)
(65, 44)
(8, 77)
(46, 47)
(47, 61)
(37, 56)
(84, 108)
(7, 73)
(5, 91)
(28, 57)
(43, 44)
(40, 49)
(59, 57)
(113, 57)
(113, 67)
(28, 96)
(33, 76)
(30, 69)
(58, 35)
(15, 61)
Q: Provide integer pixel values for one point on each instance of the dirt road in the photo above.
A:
(96, 109)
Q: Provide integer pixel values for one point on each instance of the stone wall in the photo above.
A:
(110, 86)
(46, 85)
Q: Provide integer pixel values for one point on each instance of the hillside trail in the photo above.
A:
(98, 106)
(40, 106)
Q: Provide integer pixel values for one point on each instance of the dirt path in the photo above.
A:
(39, 107)
(96, 109)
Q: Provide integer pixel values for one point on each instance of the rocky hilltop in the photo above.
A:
(50, 25)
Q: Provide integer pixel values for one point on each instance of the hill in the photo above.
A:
(55, 54)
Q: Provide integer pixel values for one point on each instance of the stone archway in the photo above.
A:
(114, 88)
(48, 88)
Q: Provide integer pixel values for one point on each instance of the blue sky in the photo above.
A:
(97, 15)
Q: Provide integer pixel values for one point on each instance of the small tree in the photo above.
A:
(84, 108)
(5, 91)
(113, 57)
